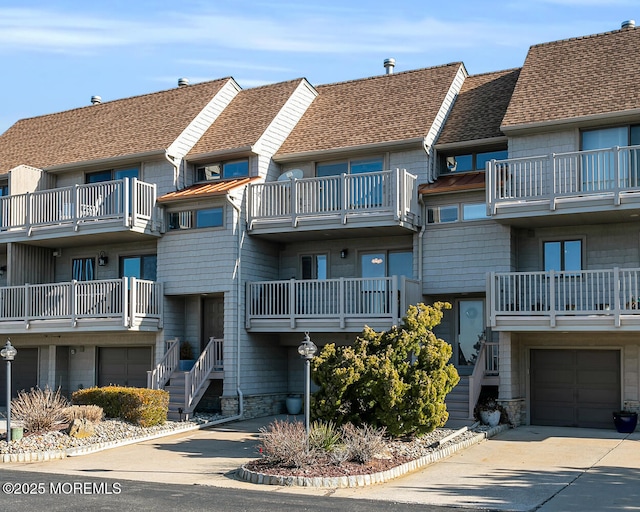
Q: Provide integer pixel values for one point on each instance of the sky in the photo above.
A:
(56, 54)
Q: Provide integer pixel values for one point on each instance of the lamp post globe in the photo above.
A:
(307, 350)
(8, 353)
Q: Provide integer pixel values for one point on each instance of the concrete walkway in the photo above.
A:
(528, 468)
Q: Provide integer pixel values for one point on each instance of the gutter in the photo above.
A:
(238, 308)
(423, 229)
(105, 161)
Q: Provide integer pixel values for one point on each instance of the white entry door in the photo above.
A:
(470, 328)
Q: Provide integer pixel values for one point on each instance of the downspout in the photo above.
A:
(238, 308)
(176, 168)
(423, 228)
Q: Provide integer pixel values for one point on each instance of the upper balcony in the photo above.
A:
(101, 305)
(588, 300)
(598, 185)
(295, 209)
(329, 305)
(104, 208)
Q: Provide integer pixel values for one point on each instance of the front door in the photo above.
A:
(212, 319)
(470, 329)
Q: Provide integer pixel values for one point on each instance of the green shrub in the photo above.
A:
(40, 410)
(396, 379)
(324, 436)
(92, 413)
(140, 406)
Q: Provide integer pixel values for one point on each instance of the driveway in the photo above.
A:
(528, 468)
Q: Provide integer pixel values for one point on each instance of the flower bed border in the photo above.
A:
(369, 479)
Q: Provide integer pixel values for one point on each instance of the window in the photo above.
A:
(470, 161)
(224, 170)
(349, 167)
(598, 167)
(140, 267)
(314, 266)
(442, 214)
(474, 211)
(563, 255)
(4, 190)
(189, 219)
(111, 174)
(451, 213)
(83, 269)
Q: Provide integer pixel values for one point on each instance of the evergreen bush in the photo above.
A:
(396, 379)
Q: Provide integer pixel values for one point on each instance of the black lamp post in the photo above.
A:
(307, 350)
(8, 353)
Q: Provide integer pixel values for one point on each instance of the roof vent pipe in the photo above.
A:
(389, 64)
(628, 24)
(183, 82)
(96, 100)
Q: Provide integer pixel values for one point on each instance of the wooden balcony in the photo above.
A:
(602, 183)
(386, 201)
(329, 305)
(97, 208)
(590, 300)
(105, 305)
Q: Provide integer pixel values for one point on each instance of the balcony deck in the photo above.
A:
(102, 305)
(589, 300)
(602, 183)
(386, 201)
(92, 209)
(343, 304)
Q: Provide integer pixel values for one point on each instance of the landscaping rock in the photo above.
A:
(81, 428)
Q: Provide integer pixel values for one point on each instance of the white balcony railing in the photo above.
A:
(551, 178)
(587, 293)
(390, 192)
(332, 299)
(128, 301)
(131, 202)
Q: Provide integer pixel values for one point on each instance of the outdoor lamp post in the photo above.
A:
(307, 350)
(8, 353)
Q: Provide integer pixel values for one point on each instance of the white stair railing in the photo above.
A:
(160, 375)
(196, 378)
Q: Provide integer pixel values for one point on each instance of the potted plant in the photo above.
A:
(186, 357)
(625, 421)
(489, 411)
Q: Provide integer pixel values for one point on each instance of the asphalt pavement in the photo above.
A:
(522, 469)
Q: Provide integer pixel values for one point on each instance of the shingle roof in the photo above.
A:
(577, 77)
(200, 190)
(480, 106)
(246, 118)
(455, 183)
(116, 128)
(386, 108)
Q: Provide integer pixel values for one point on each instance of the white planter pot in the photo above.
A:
(491, 418)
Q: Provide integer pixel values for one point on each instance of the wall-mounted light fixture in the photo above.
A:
(344, 253)
(103, 259)
(57, 253)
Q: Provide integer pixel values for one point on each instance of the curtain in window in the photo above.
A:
(83, 269)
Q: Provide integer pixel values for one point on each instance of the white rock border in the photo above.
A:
(73, 451)
(362, 480)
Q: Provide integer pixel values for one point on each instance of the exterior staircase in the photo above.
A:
(458, 403)
(186, 388)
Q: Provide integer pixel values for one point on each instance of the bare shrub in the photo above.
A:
(40, 410)
(92, 413)
(285, 443)
(363, 442)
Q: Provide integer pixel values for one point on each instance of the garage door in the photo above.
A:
(124, 366)
(24, 373)
(574, 388)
